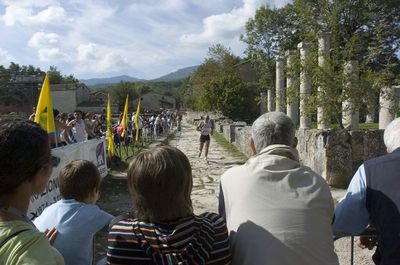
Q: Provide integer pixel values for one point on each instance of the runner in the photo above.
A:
(205, 127)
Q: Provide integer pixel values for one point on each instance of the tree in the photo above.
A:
(364, 30)
(217, 86)
(120, 92)
(55, 76)
(231, 96)
(220, 62)
(70, 79)
(14, 68)
(4, 75)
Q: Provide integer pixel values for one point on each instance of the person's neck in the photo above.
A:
(19, 199)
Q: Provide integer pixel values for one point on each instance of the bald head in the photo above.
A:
(391, 136)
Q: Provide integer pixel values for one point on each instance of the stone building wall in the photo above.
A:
(64, 100)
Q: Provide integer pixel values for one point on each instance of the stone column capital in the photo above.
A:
(303, 45)
(279, 57)
(324, 34)
(289, 53)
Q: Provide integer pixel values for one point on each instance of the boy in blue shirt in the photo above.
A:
(76, 217)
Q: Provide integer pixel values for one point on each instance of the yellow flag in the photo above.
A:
(136, 120)
(124, 121)
(110, 148)
(44, 109)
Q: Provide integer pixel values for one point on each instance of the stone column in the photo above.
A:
(280, 85)
(323, 56)
(263, 106)
(388, 101)
(292, 107)
(305, 84)
(271, 100)
(350, 115)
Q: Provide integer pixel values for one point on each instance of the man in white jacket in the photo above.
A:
(277, 211)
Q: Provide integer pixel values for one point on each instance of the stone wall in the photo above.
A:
(334, 154)
(337, 154)
(242, 135)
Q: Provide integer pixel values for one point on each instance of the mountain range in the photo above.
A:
(179, 74)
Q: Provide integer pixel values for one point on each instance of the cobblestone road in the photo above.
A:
(206, 173)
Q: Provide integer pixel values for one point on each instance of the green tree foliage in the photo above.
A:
(119, 93)
(56, 77)
(217, 86)
(231, 96)
(364, 30)
(4, 75)
(201, 91)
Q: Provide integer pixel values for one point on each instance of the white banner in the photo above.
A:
(92, 150)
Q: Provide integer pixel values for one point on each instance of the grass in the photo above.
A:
(362, 126)
(127, 154)
(369, 125)
(220, 139)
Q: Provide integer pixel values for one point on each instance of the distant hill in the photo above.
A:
(101, 82)
(179, 74)
(109, 81)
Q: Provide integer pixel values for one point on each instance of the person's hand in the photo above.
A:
(367, 242)
(51, 234)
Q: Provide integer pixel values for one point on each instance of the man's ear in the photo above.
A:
(295, 142)
(252, 146)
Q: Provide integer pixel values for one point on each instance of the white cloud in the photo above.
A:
(42, 39)
(223, 27)
(158, 6)
(52, 55)
(280, 3)
(39, 3)
(15, 14)
(27, 13)
(53, 14)
(96, 58)
(5, 57)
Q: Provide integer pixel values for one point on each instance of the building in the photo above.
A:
(20, 94)
(154, 102)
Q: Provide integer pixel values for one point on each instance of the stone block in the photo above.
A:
(339, 167)
(240, 123)
(373, 144)
(227, 132)
(242, 135)
(357, 147)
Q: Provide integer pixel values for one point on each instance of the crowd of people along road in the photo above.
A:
(75, 127)
(153, 125)
(272, 209)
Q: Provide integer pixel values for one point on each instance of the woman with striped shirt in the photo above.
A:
(165, 230)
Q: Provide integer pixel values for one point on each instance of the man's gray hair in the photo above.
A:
(272, 128)
(391, 136)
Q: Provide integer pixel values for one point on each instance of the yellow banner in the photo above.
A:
(44, 109)
(110, 147)
(136, 120)
(124, 121)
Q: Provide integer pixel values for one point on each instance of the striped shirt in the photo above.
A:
(201, 239)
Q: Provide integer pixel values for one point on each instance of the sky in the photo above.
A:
(102, 38)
